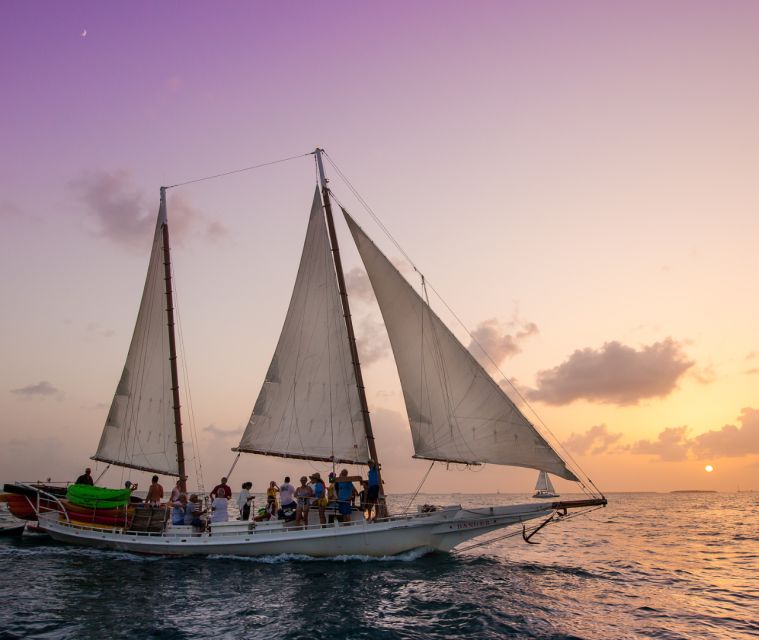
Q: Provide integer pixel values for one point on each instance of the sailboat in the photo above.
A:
(312, 405)
(544, 487)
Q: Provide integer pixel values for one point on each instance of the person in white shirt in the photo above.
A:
(219, 507)
(244, 499)
(287, 495)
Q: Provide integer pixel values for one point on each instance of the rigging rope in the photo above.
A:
(385, 230)
(229, 173)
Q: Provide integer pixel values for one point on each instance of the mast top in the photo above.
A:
(320, 165)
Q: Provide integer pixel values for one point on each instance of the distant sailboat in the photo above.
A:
(312, 406)
(544, 487)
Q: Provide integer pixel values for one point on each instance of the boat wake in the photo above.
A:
(408, 556)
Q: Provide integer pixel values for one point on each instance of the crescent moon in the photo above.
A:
(84, 33)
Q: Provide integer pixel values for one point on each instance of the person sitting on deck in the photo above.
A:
(224, 487)
(303, 494)
(85, 478)
(178, 509)
(193, 512)
(155, 493)
(219, 507)
(132, 486)
(345, 494)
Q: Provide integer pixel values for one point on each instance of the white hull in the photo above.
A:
(438, 531)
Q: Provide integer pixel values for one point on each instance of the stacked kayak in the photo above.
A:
(23, 500)
(99, 505)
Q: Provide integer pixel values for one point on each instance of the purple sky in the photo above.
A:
(586, 167)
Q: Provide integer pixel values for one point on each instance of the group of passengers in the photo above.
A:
(338, 495)
(283, 502)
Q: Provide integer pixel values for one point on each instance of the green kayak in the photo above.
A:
(86, 495)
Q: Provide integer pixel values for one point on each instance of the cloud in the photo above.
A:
(10, 209)
(491, 344)
(118, 207)
(672, 444)
(95, 329)
(614, 374)
(42, 389)
(373, 343)
(358, 285)
(223, 433)
(595, 440)
(731, 440)
(127, 217)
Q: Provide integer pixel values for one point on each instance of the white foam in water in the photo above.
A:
(408, 556)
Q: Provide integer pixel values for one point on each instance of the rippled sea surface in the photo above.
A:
(647, 566)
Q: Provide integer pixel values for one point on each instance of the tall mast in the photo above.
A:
(172, 345)
(346, 311)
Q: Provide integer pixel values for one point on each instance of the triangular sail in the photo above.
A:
(139, 431)
(544, 483)
(456, 410)
(308, 406)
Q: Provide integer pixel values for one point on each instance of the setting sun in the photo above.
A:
(708, 468)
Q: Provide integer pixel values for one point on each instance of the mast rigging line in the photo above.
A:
(426, 284)
(234, 171)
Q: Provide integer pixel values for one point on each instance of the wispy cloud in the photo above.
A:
(223, 433)
(672, 444)
(373, 343)
(493, 342)
(10, 209)
(598, 439)
(358, 285)
(125, 215)
(94, 328)
(614, 374)
(118, 207)
(731, 440)
(42, 389)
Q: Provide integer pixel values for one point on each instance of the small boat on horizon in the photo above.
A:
(544, 487)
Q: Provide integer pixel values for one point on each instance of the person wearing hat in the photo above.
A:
(320, 495)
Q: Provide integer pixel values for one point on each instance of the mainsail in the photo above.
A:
(139, 431)
(456, 410)
(308, 406)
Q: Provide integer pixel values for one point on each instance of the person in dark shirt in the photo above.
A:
(224, 487)
(85, 478)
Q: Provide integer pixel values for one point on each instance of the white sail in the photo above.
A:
(544, 483)
(139, 431)
(308, 406)
(456, 411)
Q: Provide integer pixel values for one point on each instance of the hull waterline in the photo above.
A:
(439, 531)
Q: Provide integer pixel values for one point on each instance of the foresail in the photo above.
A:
(456, 410)
(308, 406)
(139, 431)
(542, 483)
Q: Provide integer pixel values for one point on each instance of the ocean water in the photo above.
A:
(647, 566)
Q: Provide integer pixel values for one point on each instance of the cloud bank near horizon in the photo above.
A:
(614, 374)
